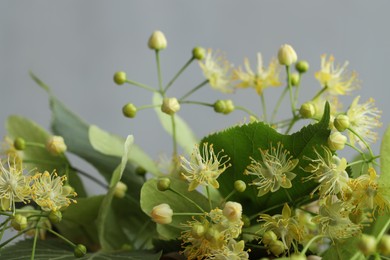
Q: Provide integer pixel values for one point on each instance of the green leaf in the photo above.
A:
(344, 249)
(242, 142)
(56, 249)
(112, 145)
(384, 178)
(185, 137)
(39, 158)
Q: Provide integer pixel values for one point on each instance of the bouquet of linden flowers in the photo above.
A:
(251, 191)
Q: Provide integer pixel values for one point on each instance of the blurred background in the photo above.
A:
(77, 46)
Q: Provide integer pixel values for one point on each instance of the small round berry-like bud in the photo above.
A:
(246, 220)
(140, 171)
(277, 247)
(302, 66)
(162, 214)
(307, 110)
(269, 237)
(129, 110)
(157, 41)
(295, 79)
(163, 184)
(19, 222)
(19, 143)
(120, 190)
(67, 190)
(287, 55)
(239, 186)
(232, 211)
(120, 77)
(384, 245)
(341, 122)
(336, 141)
(213, 235)
(198, 53)
(198, 230)
(55, 216)
(229, 107)
(80, 250)
(220, 106)
(170, 106)
(367, 244)
(56, 145)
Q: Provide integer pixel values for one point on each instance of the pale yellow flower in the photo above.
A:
(48, 191)
(260, 79)
(204, 167)
(162, 214)
(232, 251)
(336, 79)
(217, 70)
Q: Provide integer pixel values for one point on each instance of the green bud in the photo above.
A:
(219, 106)
(80, 251)
(246, 220)
(295, 79)
(129, 110)
(140, 171)
(239, 186)
(19, 144)
(19, 222)
(367, 244)
(198, 53)
(277, 247)
(302, 66)
(157, 41)
(336, 141)
(67, 190)
(170, 106)
(198, 230)
(384, 245)
(307, 110)
(213, 235)
(269, 237)
(163, 184)
(341, 122)
(55, 217)
(120, 190)
(120, 77)
(229, 107)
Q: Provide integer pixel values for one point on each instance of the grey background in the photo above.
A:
(76, 46)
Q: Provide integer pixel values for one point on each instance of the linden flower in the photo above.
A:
(337, 81)
(14, 186)
(232, 251)
(48, 191)
(261, 78)
(274, 171)
(204, 167)
(216, 69)
(8, 150)
(363, 118)
(329, 171)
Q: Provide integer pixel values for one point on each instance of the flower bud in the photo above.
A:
(170, 106)
(367, 244)
(129, 110)
(67, 190)
(232, 211)
(198, 53)
(19, 222)
(295, 79)
(269, 237)
(384, 245)
(287, 55)
(198, 230)
(55, 216)
(297, 256)
(336, 141)
(213, 235)
(56, 145)
(163, 184)
(220, 106)
(239, 186)
(246, 220)
(341, 122)
(80, 251)
(162, 214)
(157, 41)
(19, 143)
(302, 66)
(140, 171)
(120, 77)
(120, 190)
(307, 110)
(229, 107)
(277, 247)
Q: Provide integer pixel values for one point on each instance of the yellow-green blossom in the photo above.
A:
(273, 171)
(204, 167)
(336, 80)
(48, 192)
(260, 79)
(232, 251)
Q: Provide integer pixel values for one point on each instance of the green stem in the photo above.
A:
(174, 137)
(278, 104)
(209, 197)
(246, 110)
(229, 195)
(383, 231)
(197, 103)
(60, 236)
(297, 88)
(292, 123)
(4, 227)
(364, 141)
(193, 90)
(319, 93)
(188, 214)
(304, 250)
(34, 243)
(16, 236)
(264, 107)
(34, 144)
(132, 82)
(266, 210)
(178, 74)
(188, 199)
(290, 90)
(288, 195)
(159, 73)
(5, 214)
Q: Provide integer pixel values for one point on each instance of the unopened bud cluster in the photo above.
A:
(170, 106)
(224, 106)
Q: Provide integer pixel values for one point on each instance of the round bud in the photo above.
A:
(295, 79)
(55, 217)
(120, 77)
(307, 110)
(170, 106)
(140, 171)
(129, 110)
(287, 55)
(163, 184)
(239, 186)
(229, 107)
(80, 250)
(367, 244)
(198, 230)
(56, 145)
(198, 53)
(127, 247)
(269, 237)
(277, 247)
(232, 211)
(213, 235)
(246, 220)
(336, 141)
(162, 214)
(67, 190)
(157, 41)
(384, 245)
(220, 106)
(19, 143)
(341, 122)
(19, 222)
(302, 66)
(120, 190)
